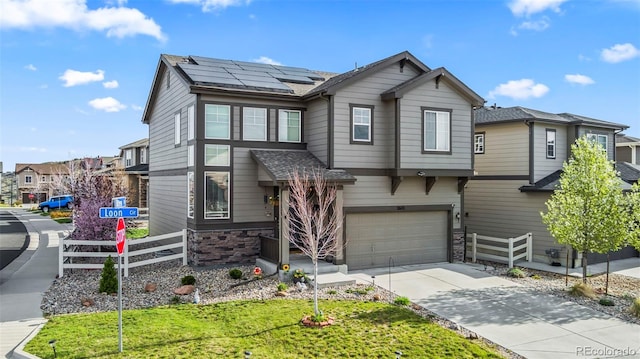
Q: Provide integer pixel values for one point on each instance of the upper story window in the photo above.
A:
(289, 126)
(551, 143)
(176, 118)
(143, 155)
(28, 179)
(128, 158)
(361, 124)
(191, 122)
(217, 121)
(254, 124)
(216, 155)
(601, 139)
(191, 156)
(436, 131)
(43, 179)
(478, 143)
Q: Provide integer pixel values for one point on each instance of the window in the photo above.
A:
(191, 194)
(478, 143)
(191, 123)
(128, 160)
(437, 136)
(216, 155)
(143, 155)
(176, 118)
(289, 126)
(551, 143)
(361, 124)
(216, 194)
(28, 179)
(190, 156)
(217, 120)
(43, 179)
(601, 139)
(254, 124)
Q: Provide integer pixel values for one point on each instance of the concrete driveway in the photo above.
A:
(531, 324)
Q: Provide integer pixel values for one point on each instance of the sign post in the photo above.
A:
(120, 238)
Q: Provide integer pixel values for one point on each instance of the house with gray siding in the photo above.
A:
(519, 154)
(628, 157)
(134, 159)
(394, 137)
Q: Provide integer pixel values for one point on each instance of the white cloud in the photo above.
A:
(582, 57)
(519, 89)
(210, 5)
(539, 25)
(74, 78)
(30, 67)
(32, 149)
(530, 7)
(266, 60)
(579, 79)
(619, 52)
(74, 14)
(136, 108)
(110, 84)
(107, 104)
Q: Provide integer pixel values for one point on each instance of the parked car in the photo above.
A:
(57, 202)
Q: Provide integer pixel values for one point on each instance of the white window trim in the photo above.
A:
(128, 160)
(191, 156)
(28, 179)
(191, 122)
(478, 146)
(228, 136)
(549, 143)
(217, 149)
(438, 131)
(205, 195)
(176, 119)
(369, 125)
(245, 122)
(280, 124)
(143, 155)
(596, 137)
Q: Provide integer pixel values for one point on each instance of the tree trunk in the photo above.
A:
(566, 273)
(316, 311)
(584, 267)
(606, 285)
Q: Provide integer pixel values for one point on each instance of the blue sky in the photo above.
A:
(75, 74)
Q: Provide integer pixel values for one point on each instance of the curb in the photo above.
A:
(19, 353)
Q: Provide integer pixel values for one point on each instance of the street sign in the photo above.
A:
(119, 202)
(119, 212)
(120, 236)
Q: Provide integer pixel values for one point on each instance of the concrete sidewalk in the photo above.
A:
(531, 324)
(25, 280)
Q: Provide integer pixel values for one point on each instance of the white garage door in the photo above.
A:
(407, 237)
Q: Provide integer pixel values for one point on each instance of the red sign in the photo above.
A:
(32, 196)
(120, 236)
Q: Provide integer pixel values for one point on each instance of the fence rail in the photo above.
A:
(501, 249)
(71, 248)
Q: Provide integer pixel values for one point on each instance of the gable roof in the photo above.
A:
(490, 115)
(552, 181)
(437, 74)
(333, 84)
(43, 168)
(139, 143)
(279, 164)
(629, 172)
(622, 139)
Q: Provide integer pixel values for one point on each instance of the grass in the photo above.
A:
(133, 233)
(269, 329)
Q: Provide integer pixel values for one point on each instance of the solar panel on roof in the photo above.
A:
(293, 78)
(249, 77)
(217, 80)
(277, 85)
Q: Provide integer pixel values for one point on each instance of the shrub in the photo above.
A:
(401, 301)
(17, 203)
(582, 290)
(635, 307)
(515, 273)
(109, 279)
(535, 276)
(188, 280)
(60, 214)
(175, 300)
(332, 292)
(361, 291)
(318, 318)
(608, 302)
(235, 273)
(282, 287)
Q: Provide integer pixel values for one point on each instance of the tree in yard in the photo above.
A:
(634, 213)
(109, 277)
(313, 221)
(588, 211)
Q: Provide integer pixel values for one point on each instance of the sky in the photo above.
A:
(75, 75)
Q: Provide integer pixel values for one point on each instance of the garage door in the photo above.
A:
(407, 237)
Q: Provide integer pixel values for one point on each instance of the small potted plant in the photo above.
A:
(299, 276)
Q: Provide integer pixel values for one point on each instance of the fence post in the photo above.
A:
(184, 247)
(511, 252)
(529, 246)
(126, 259)
(474, 250)
(61, 258)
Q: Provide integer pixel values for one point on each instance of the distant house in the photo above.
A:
(519, 153)
(628, 158)
(134, 158)
(395, 138)
(34, 180)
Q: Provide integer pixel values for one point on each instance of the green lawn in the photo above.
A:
(134, 233)
(269, 329)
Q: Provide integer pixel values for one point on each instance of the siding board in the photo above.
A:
(506, 150)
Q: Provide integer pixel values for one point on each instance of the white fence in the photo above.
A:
(71, 248)
(502, 249)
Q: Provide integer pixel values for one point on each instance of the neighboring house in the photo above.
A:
(34, 180)
(628, 158)
(395, 137)
(519, 154)
(134, 158)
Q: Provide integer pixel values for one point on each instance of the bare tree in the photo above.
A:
(313, 221)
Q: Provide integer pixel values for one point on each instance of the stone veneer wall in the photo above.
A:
(458, 246)
(235, 246)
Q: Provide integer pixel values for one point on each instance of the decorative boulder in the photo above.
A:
(281, 294)
(184, 290)
(150, 287)
(87, 302)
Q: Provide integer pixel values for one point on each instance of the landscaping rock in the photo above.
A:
(184, 290)
(281, 294)
(87, 302)
(150, 287)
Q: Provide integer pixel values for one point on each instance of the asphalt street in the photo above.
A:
(13, 238)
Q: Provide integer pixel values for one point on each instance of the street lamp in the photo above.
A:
(52, 344)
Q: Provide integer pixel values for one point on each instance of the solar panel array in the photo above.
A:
(239, 74)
